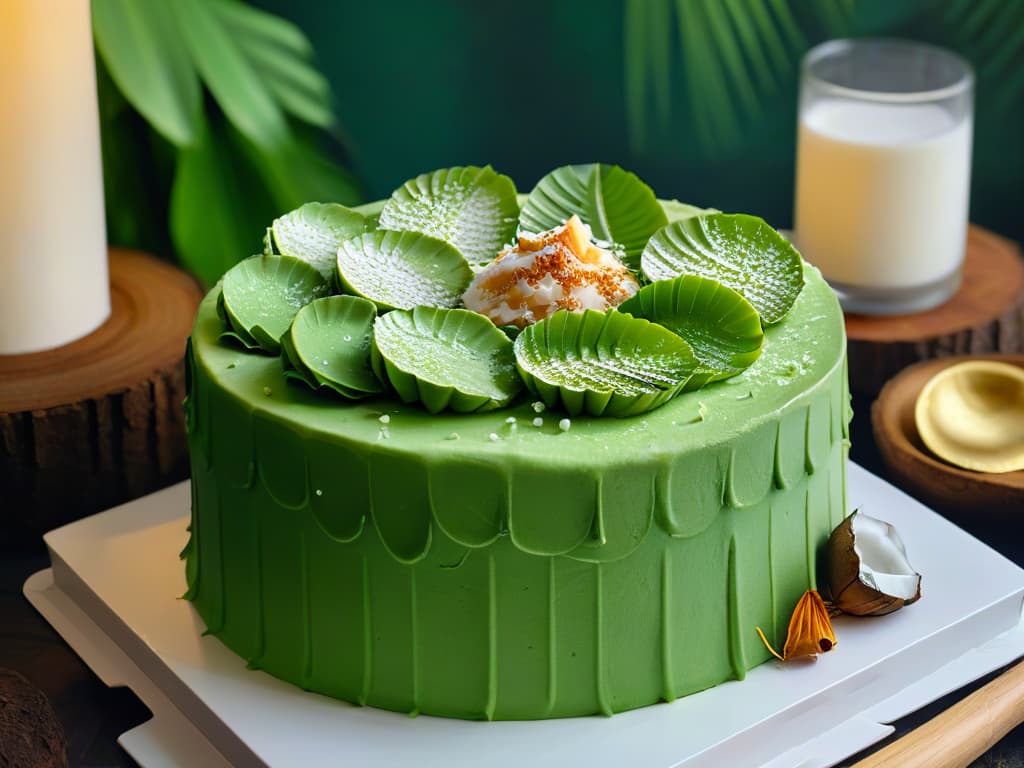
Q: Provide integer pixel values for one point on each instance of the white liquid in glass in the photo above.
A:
(882, 192)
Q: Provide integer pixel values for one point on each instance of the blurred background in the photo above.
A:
(218, 116)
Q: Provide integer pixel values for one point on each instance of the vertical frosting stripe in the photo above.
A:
(242, 628)
(338, 621)
(751, 582)
(631, 625)
(788, 535)
(390, 602)
(699, 628)
(492, 640)
(208, 539)
(668, 692)
(576, 642)
(523, 615)
(735, 637)
(280, 581)
(600, 654)
(451, 630)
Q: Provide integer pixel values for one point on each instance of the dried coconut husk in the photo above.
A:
(810, 630)
(869, 574)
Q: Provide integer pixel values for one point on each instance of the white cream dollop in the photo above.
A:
(557, 269)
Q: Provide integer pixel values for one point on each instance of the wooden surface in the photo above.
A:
(986, 315)
(99, 421)
(963, 732)
(944, 487)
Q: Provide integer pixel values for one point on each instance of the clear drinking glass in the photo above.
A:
(883, 171)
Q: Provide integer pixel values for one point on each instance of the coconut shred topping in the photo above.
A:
(557, 269)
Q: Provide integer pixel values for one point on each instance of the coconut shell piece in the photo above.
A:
(869, 574)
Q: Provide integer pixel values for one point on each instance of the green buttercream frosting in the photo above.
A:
(488, 566)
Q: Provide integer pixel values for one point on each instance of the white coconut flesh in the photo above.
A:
(883, 563)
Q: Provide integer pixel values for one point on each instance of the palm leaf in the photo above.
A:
(217, 206)
(229, 75)
(281, 55)
(991, 32)
(734, 55)
(148, 61)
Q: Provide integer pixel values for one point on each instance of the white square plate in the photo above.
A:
(113, 594)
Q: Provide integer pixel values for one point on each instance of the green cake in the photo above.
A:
(513, 563)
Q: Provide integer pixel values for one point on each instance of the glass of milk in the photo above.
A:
(883, 171)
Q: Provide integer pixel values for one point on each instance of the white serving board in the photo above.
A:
(113, 594)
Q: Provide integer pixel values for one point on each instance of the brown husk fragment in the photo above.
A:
(810, 629)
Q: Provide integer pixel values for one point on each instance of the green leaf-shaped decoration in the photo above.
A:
(262, 294)
(328, 345)
(603, 363)
(445, 358)
(617, 205)
(241, 337)
(313, 233)
(676, 211)
(740, 251)
(472, 208)
(401, 270)
(722, 327)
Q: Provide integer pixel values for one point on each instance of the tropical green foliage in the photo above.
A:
(992, 33)
(211, 110)
(729, 58)
(733, 54)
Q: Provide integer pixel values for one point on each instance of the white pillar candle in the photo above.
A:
(54, 286)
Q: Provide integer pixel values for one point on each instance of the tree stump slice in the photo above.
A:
(30, 732)
(986, 315)
(99, 421)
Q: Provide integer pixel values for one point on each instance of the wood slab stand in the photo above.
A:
(99, 421)
(986, 315)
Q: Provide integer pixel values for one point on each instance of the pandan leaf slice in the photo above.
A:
(619, 208)
(723, 328)
(603, 363)
(261, 295)
(401, 270)
(740, 251)
(445, 359)
(313, 232)
(328, 346)
(474, 209)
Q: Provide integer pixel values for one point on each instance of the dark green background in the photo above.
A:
(532, 85)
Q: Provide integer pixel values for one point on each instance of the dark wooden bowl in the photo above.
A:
(976, 496)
